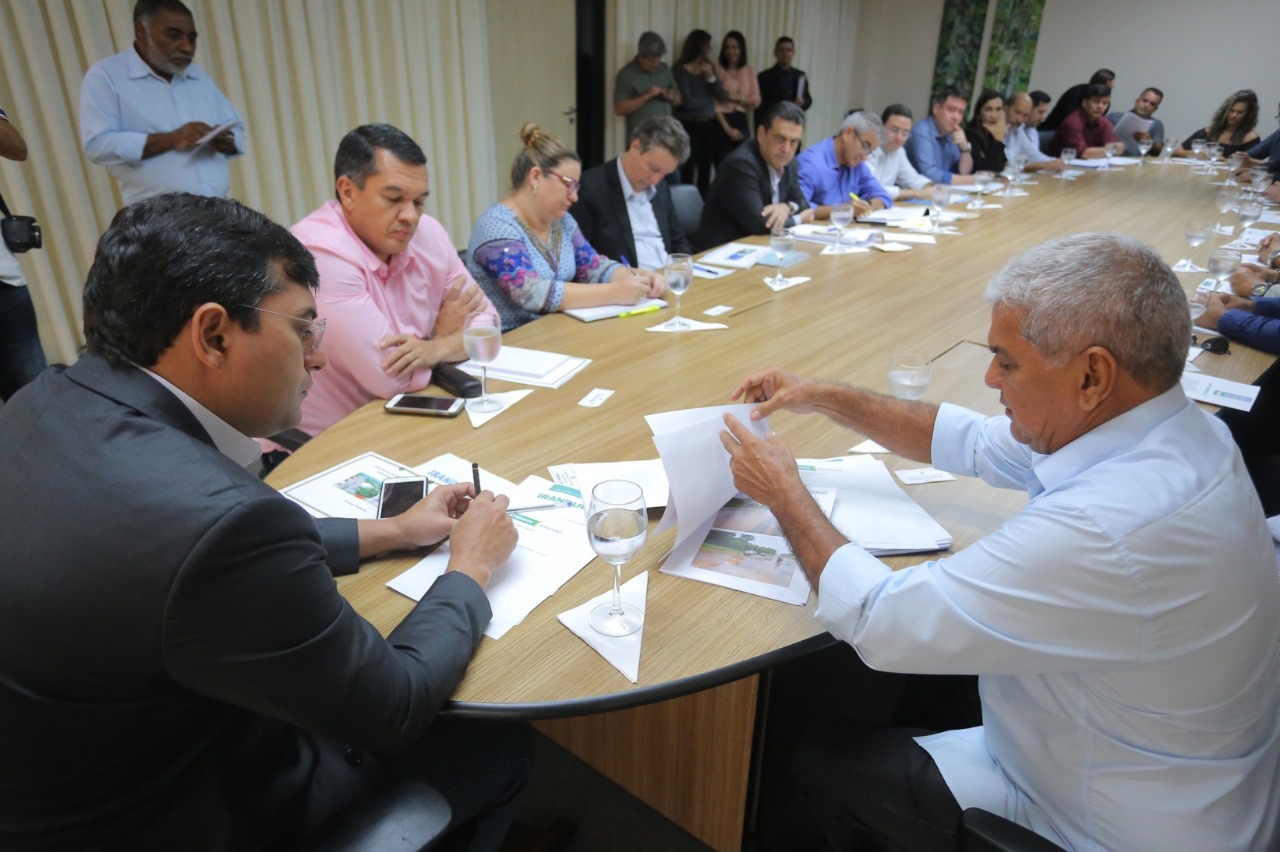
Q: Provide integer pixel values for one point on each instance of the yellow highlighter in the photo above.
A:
(637, 311)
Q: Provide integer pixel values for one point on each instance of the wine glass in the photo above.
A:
(1214, 149)
(1225, 200)
(1197, 232)
(482, 340)
(616, 527)
(841, 217)
(1259, 178)
(939, 197)
(1112, 149)
(1145, 144)
(1197, 150)
(1067, 155)
(679, 275)
(909, 375)
(982, 182)
(1197, 304)
(1248, 212)
(1222, 263)
(781, 241)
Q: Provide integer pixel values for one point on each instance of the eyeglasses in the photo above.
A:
(1216, 345)
(312, 332)
(569, 183)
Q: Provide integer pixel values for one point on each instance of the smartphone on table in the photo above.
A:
(400, 494)
(432, 406)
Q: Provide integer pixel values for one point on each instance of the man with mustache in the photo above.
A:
(146, 114)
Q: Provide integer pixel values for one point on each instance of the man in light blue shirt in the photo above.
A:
(833, 171)
(150, 114)
(1125, 625)
(1021, 139)
(938, 147)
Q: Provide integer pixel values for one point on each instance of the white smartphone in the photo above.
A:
(432, 406)
(400, 494)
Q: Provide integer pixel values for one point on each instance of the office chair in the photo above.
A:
(403, 816)
(687, 202)
(982, 831)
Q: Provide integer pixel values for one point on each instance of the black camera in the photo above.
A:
(21, 233)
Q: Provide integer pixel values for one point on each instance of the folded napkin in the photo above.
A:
(507, 398)
(621, 652)
(790, 282)
(693, 325)
(1186, 265)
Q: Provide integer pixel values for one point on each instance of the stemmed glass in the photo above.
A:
(841, 218)
(679, 275)
(1112, 149)
(1197, 149)
(1067, 155)
(1145, 144)
(781, 241)
(1197, 232)
(982, 182)
(1222, 263)
(939, 197)
(1259, 178)
(1248, 212)
(616, 527)
(1214, 150)
(482, 340)
(909, 375)
(1197, 303)
(1225, 200)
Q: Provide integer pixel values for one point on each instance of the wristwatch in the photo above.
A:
(966, 148)
(795, 208)
(1260, 289)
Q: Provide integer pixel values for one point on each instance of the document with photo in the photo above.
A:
(347, 490)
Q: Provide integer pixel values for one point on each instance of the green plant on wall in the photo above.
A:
(1013, 45)
(959, 44)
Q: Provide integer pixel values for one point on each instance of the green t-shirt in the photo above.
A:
(633, 81)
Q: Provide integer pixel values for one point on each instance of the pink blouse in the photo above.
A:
(741, 83)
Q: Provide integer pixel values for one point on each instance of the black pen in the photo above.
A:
(475, 476)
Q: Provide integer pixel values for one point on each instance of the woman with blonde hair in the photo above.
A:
(527, 253)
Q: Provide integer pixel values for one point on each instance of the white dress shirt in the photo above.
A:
(894, 171)
(229, 440)
(651, 251)
(122, 101)
(1024, 141)
(1125, 625)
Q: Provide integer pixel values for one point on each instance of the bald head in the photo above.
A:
(1017, 109)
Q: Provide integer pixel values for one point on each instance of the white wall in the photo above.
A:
(1197, 52)
(893, 59)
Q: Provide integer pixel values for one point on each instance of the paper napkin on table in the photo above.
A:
(694, 325)
(507, 398)
(621, 652)
(791, 282)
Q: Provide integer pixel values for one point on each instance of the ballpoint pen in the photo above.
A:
(536, 508)
(475, 475)
(647, 310)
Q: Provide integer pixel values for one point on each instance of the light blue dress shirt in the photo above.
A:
(122, 101)
(1024, 141)
(935, 155)
(1124, 625)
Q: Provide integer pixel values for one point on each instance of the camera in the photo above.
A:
(21, 233)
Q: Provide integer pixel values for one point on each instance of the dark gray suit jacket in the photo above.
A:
(601, 214)
(171, 637)
(739, 192)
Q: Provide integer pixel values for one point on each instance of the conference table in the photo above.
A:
(682, 737)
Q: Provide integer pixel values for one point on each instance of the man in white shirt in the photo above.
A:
(1022, 140)
(889, 163)
(147, 113)
(1125, 625)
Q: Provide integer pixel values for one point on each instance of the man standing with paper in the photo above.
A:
(1130, 681)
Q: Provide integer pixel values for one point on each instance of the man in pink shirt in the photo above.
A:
(392, 287)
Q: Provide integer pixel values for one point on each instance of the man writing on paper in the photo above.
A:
(1130, 687)
(146, 114)
(624, 206)
(938, 147)
(756, 187)
(1139, 123)
(889, 163)
(393, 289)
(1021, 139)
(834, 172)
(177, 668)
(1087, 129)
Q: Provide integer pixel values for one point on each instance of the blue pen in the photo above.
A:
(625, 262)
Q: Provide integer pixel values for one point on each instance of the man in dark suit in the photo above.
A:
(177, 668)
(757, 187)
(783, 82)
(624, 206)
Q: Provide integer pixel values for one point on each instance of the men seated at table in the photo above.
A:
(889, 163)
(624, 206)
(393, 290)
(1144, 109)
(938, 147)
(1130, 688)
(1073, 97)
(1266, 152)
(757, 187)
(1086, 130)
(834, 170)
(177, 667)
(1021, 140)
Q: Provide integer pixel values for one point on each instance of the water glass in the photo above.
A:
(482, 340)
(909, 375)
(616, 527)
(679, 275)
(841, 218)
(1067, 155)
(781, 241)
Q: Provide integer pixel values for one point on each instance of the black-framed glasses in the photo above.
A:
(311, 334)
(1216, 345)
(570, 184)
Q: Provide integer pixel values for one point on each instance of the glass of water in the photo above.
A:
(909, 375)
(1067, 155)
(1222, 263)
(482, 340)
(841, 218)
(982, 182)
(1145, 144)
(616, 526)
(679, 275)
(1248, 213)
(781, 241)
(1197, 232)
(1226, 201)
(939, 197)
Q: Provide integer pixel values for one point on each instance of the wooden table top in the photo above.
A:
(841, 325)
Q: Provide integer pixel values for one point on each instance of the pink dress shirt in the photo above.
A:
(740, 83)
(365, 300)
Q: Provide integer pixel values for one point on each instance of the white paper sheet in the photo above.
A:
(530, 367)
(648, 474)
(610, 311)
(736, 255)
(347, 490)
(1216, 391)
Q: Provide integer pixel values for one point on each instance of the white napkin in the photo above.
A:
(1225, 230)
(791, 282)
(868, 446)
(507, 398)
(848, 249)
(693, 325)
(1186, 265)
(621, 652)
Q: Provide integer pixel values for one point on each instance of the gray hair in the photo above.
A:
(1100, 289)
(863, 122)
(651, 45)
(664, 132)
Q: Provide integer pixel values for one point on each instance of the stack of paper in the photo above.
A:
(530, 367)
(870, 509)
(347, 490)
(611, 311)
(737, 255)
(649, 475)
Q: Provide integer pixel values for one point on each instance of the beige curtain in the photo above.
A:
(300, 72)
(821, 28)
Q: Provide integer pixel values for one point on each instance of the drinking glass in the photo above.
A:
(1197, 303)
(1197, 150)
(1170, 145)
(1067, 155)
(616, 527)
(1222, 263)
(1112, 149)
(939, 197)
(1197, 232)
(679, 275)
(1259, 178)
(982, 182)
(781, 241)
(1226, 200)
(1214, 149)
(841, 217)
(482, 340)
(909, 375)
(1144, 148)
(1248, 212)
